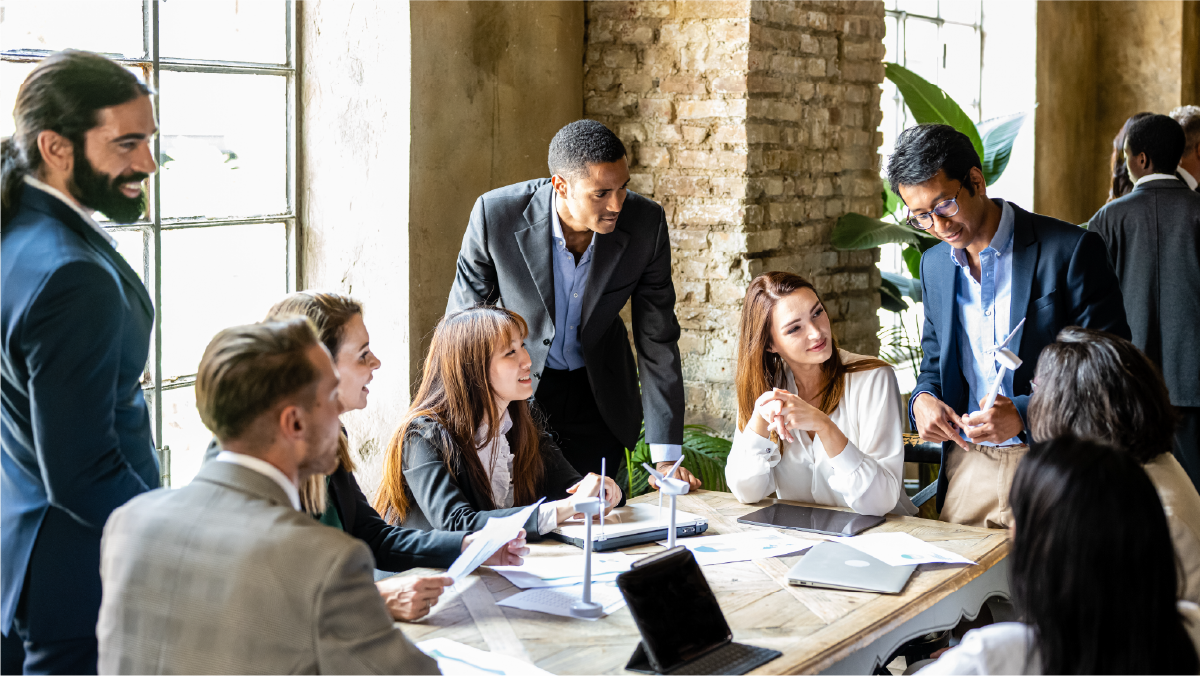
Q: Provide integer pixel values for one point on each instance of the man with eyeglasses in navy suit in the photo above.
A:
(997, 264)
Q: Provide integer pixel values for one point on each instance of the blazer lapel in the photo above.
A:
(535, 244)
(605, 258)
(944, 281)
(1025, 259)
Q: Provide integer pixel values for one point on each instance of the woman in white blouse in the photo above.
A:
(815, 424)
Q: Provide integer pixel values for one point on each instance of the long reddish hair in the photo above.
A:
(760, 370)
(457, 393)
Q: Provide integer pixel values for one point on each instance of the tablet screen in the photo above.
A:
(675, 609)
(812, 519)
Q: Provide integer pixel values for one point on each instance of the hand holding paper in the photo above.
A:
(496, 534)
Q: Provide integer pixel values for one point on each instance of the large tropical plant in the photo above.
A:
(704, 455)
(993, 140)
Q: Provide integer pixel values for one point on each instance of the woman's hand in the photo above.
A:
(509, 555)
(588, 487)
(783, 411)
(410, 598)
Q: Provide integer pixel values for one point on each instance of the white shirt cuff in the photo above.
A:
(666, 452)
(548, 519)
(848, 461)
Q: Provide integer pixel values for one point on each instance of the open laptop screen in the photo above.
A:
(675, 609)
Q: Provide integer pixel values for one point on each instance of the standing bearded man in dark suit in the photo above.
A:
(566, 253)
(1152, 238)
(76, 324)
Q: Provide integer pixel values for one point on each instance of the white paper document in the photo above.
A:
(558, 600)
(711, 550)
(456, 659)
(496, 533)
(902, 549)
(560, 571)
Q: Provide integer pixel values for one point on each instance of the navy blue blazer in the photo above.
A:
(75, 322)
(1061, 277)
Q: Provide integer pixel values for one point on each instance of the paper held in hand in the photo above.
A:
(902, 549)
(498, 531)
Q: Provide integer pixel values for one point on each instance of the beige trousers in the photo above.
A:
(978, 482)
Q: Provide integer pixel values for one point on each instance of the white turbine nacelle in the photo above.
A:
(671, 487)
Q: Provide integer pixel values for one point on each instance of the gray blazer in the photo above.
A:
(223, 576)
(506, 259)
(1152, 238)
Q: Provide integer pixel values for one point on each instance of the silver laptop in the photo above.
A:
(833, 565)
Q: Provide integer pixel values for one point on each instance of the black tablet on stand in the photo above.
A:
(682, 626)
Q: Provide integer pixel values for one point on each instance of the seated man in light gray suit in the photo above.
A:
(227, 574)
(566, 253)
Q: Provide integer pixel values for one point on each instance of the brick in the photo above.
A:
(688, 239)
(711, 108)
(694, 135)
(729, 186)
(775, 110)
(809, 44)
(638, 35)
(864, 51)
(692, 31)
(682, 84)
(655, 109)
(726, 292)
(619, 57)
(643, 184)
(730, 31)
(730, 135)
(710, 212)
(654, 157)
(683, 186)
(713, 9)
(604, 106)
(730, 84)
(763, 84)
(631, 131)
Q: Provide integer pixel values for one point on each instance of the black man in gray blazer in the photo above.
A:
(566, 253)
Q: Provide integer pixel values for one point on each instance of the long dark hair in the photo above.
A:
(61, 94)
(1095, 385)
(1119, 181)
(1092, 568)
(456, 392)
(759, 369)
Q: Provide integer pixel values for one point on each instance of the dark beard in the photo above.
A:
(98, 191)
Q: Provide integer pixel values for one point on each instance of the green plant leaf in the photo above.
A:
(913, 261)
(893, 205)
(704, 455)
(854, 231)
(930, 104)
(891, 295)
(998, 135)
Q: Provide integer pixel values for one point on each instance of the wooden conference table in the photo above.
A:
(819, 631)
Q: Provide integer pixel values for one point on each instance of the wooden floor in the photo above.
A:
(813, 628)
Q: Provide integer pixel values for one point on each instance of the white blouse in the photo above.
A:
(497, 459)
(865, 476)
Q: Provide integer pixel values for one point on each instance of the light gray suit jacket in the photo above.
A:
(506, 259)
(223, 576)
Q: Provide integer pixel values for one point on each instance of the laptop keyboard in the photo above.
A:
(732, 658)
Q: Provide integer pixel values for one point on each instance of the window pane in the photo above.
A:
(224, 144)
(923, 50)
(964, 11)
(223, 30)
(961, 76)
(130, 246)
(184, 434)
(214, 278)
(923, 7)
(11, 77)
(106, 26)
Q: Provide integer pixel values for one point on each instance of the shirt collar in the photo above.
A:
(1187, 178)
(1000, 240)
(556, 228)
(266, 469)
(87, 217)
(1156, 177)
(506, 424)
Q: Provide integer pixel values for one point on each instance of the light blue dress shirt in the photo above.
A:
(571, 279)
(983, 309)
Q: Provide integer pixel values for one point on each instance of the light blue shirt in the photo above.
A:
(570, 280)
(983, 309)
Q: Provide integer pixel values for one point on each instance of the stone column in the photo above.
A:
(754, 125)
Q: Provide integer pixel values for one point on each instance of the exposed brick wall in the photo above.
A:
(753, 124)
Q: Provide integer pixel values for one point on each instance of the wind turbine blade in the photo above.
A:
(1011, 335)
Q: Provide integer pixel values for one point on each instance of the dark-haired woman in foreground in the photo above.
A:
(815, 423)
(468, 449)
(1094, 385)
(1092, 574)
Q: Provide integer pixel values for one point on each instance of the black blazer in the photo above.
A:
(76, 324)
(1151, 236)
(395, 549)
(1061, 277)
(506, 258)
(441, 500)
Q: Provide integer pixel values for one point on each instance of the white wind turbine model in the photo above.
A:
(672, 487)
(590, 507)
(1008, 361)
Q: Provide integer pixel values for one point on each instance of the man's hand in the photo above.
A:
(509, 555)
(681, 473)
(936, 421)
(410, 598)
(588, 487)
(1000, 423)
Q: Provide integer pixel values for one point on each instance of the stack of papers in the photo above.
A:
(711, 550)
(496, 534)
(902, 549)
(558, 600)
(457, 659)
(561, 571)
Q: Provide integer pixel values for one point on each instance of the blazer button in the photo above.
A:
(538, 376)
(546, 341)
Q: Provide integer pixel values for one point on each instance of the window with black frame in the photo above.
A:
(217, 244)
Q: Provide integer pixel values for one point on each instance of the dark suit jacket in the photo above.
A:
(506, 258)
(1061, 277)
(395, 549)
(1151, 234)
(439, 499)
(76, 324)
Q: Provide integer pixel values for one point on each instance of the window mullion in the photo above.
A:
(163, 451)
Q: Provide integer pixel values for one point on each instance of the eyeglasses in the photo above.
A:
(944, 209)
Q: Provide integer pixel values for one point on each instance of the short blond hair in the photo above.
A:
(249, 370)
(1189, 119)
